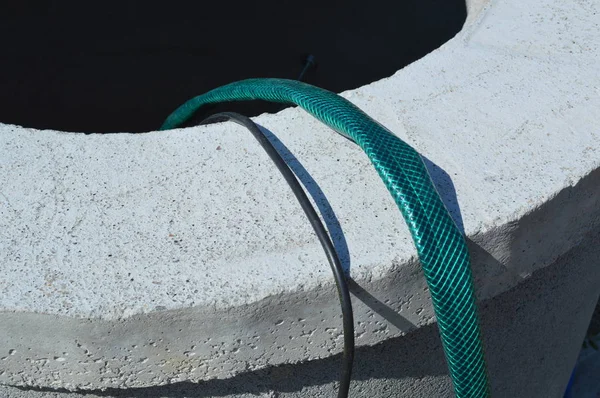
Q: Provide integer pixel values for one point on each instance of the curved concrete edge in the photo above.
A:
(200, 344)
(475, 11)
(526, 197)
(545, 310)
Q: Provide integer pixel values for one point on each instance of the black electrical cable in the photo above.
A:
(320, 231)
(308, 63)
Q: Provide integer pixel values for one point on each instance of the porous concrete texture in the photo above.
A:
(413, 365)
(136, 261)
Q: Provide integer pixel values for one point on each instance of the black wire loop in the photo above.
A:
(320, 231)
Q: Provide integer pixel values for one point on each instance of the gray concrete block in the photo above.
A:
(141, 261)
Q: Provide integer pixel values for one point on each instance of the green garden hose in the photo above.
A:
(441, 247)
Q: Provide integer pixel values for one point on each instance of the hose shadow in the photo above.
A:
(314, 190)
(445, 187)
(380, 308)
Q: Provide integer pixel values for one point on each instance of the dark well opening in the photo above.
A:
(124, 66)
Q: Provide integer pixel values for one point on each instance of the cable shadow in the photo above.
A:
(441, 181)
(383, 310)
(331, 221)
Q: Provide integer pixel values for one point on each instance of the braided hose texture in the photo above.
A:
(441, 247)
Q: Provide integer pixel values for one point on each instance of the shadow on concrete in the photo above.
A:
(119, 66)
(332, 223)
(393, 359)
(543, 310)
(380, 308)
(440, 178)
(445, 187)
(443, 184)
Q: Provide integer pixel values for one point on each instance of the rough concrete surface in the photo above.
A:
(532, 366)
(144, 260)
